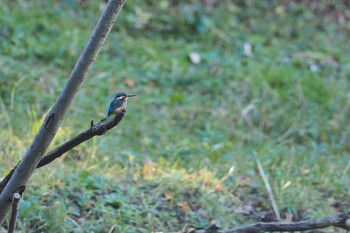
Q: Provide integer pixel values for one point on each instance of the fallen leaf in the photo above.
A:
(129, 82)
(247, 49)
(184, 206)
(286, 184)
(245, 114)
(218, 187)
(195, 57)
(168, 196)
(149, 169)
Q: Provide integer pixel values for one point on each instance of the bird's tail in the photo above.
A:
(105, 118)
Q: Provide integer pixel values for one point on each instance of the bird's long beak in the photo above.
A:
(131, 95)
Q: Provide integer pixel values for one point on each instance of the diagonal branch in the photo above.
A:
(94, 130)
(340, 220)
(55, 116)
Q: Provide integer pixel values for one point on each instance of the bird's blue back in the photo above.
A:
(115, 104)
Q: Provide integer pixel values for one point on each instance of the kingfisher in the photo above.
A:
(118, 104)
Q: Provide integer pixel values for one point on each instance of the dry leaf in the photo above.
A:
(149, 169)
(168, 196)
(195, 57)
(129, 82)
(218, 187)
(184, 206)
(247, 49)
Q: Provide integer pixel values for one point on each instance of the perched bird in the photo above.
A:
(118, 104)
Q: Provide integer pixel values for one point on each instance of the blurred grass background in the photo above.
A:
(272, 84)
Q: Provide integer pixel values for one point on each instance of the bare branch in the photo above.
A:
(58, 111)
(15, 202)
(94, 130)
(341, 221)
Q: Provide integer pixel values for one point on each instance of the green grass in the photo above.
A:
(167, 164)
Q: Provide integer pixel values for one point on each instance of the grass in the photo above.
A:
(186, 151)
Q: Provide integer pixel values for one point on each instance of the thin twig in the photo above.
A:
(15, 202)
(347, 168)
(112, 230)
(75, 223)
(269, 190)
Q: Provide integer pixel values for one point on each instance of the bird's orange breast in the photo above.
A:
(117, 110)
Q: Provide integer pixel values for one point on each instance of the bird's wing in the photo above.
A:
(109, 111)
(116, 103)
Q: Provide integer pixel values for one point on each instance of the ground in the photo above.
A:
(220, 84)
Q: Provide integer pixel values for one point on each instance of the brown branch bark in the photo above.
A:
(94, 130)
(340, 220)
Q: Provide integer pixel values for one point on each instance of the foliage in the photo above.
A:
(185, 153)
